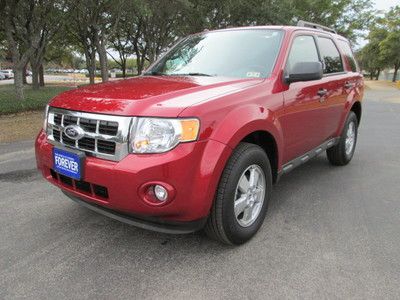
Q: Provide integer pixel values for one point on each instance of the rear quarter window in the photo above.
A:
(346, 49)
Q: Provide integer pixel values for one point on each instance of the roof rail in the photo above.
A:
(316, 26)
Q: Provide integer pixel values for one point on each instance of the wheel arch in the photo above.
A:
(354, 106)
(256, 125)
(267, 142)
(357, 109)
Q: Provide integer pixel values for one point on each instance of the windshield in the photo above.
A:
(236, 53)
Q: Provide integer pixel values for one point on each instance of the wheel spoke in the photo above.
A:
(249, 195)
(244, 184)
(254, 177)
(350, 138)
(259, 193)
(248, 214)
(240, 205)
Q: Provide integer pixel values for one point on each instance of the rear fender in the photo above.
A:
(354, 96)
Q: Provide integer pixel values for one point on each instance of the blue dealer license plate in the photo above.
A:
(68, 163)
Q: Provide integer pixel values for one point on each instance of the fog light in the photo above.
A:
(160, 192)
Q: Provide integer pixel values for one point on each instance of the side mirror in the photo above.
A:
(305, 71)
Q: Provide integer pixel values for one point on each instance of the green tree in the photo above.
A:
(3, 47)
(52, 21)
(80, 33)
(19, 19)
(152, 26)
(27, 25)
(93, 24)
(105, 24)
(348, 17)
(370, 56)
(120, 39)
(60, 52)
(390, 45)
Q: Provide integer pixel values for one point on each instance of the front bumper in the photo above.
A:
(149, 223)
(191, 169)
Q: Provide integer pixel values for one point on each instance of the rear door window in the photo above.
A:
(330, 56)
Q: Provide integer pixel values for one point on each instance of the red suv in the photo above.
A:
(199, 139)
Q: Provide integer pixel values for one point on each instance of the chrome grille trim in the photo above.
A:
(120, 139)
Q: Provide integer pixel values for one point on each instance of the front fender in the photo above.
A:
(244, 120)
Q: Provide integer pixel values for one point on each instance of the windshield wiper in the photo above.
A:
(154, 73)
(200, 74)
(191, 74)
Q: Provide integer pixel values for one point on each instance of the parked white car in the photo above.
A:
(2, 76)
(8, 73)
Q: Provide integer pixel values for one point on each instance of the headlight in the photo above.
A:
(157, 135)
(46, 115)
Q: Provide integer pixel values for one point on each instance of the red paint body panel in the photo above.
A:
(228, 111)
(148, 95)
(199, 163)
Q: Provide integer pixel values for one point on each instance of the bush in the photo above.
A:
(34, 100)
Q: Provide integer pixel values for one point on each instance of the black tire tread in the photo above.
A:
(214, 227)
(336, 154)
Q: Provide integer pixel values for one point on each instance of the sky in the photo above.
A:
(386, 4)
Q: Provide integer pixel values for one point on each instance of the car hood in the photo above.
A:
(149, 95)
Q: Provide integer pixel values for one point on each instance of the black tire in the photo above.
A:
(337, 155)
(222, 224)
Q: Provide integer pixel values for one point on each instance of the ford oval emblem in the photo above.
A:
(74, 132)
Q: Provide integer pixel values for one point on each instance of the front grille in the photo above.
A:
(90, 125)
(57, 119)
(56, 134)
(106, 147)
(93, 190)
(70, 120)
(87, 144)
(104, 136)
(110, 128)
(67, 141)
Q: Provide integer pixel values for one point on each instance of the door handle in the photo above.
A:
(322, 92)
(348, 85)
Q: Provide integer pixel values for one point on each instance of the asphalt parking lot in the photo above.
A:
(331, 232)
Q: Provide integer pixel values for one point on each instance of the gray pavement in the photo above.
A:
(331, 232)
